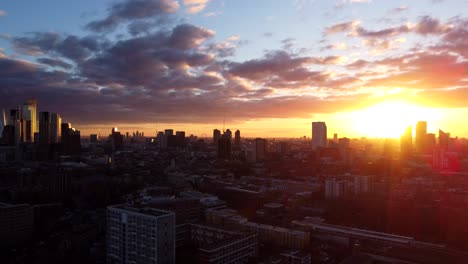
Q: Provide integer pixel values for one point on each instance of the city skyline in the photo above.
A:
(367, 68)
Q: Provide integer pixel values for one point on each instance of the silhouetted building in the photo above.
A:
(237, 139)
(224, 147)
(55, 128)
(8, 135)
(3, 121)
(216, 136)
(169, 132)
(421, 130)
(319, 134)
(444, 139)
(70, 139)
(140, 235)
(117, 139)
(44, 127)
(180, 138)
(228, 134)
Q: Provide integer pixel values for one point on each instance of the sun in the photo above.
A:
(389, 119)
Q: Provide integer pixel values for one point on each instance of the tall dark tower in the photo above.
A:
(237, 139)
(44, 127)
(224, 147)
(216, 136)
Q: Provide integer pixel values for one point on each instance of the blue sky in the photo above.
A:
(309, 57)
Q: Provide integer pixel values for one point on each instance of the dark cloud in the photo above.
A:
(55, 63)
(69, 46)
(129, 10)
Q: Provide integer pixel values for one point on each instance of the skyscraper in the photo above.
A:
(30, 117)
(319, 134)
(140, 235)
(237, 139)
(44, 127)
(421, 131)
(228, 134)
(444, 139)
(55, 128)
(216, 136)
(224, 147)
(406, 143)
(3, 121)
(15, 120)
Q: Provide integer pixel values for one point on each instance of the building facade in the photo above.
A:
(140, 235)
(319, 134)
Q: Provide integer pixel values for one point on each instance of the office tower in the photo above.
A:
(334, 189)
(421, 130)
(335, 137)
(74, 142)
(161, 140)
(64, 128)
(14, 119)
(216, 136)
(168, 132)
(444, 139)
(224, 147)
(70, 139)
(319, 134)
(44, 127)
(140, 235)
(117, 139)
(237, 139)
(30, 115)
(361, 184)
(3, 121)
(55, 128)
(180, 138)
(228, 134)
(406, 143)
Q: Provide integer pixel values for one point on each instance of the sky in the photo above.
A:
(267, 67)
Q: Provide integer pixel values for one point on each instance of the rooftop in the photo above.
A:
(141, 210)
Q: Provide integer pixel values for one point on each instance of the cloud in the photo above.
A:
(425, 26)
(55, 63)
(213, 14)
(195, 6)
(341, 27)
(399, 9)
(69, 46)
(161, 71)
(130, 10)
